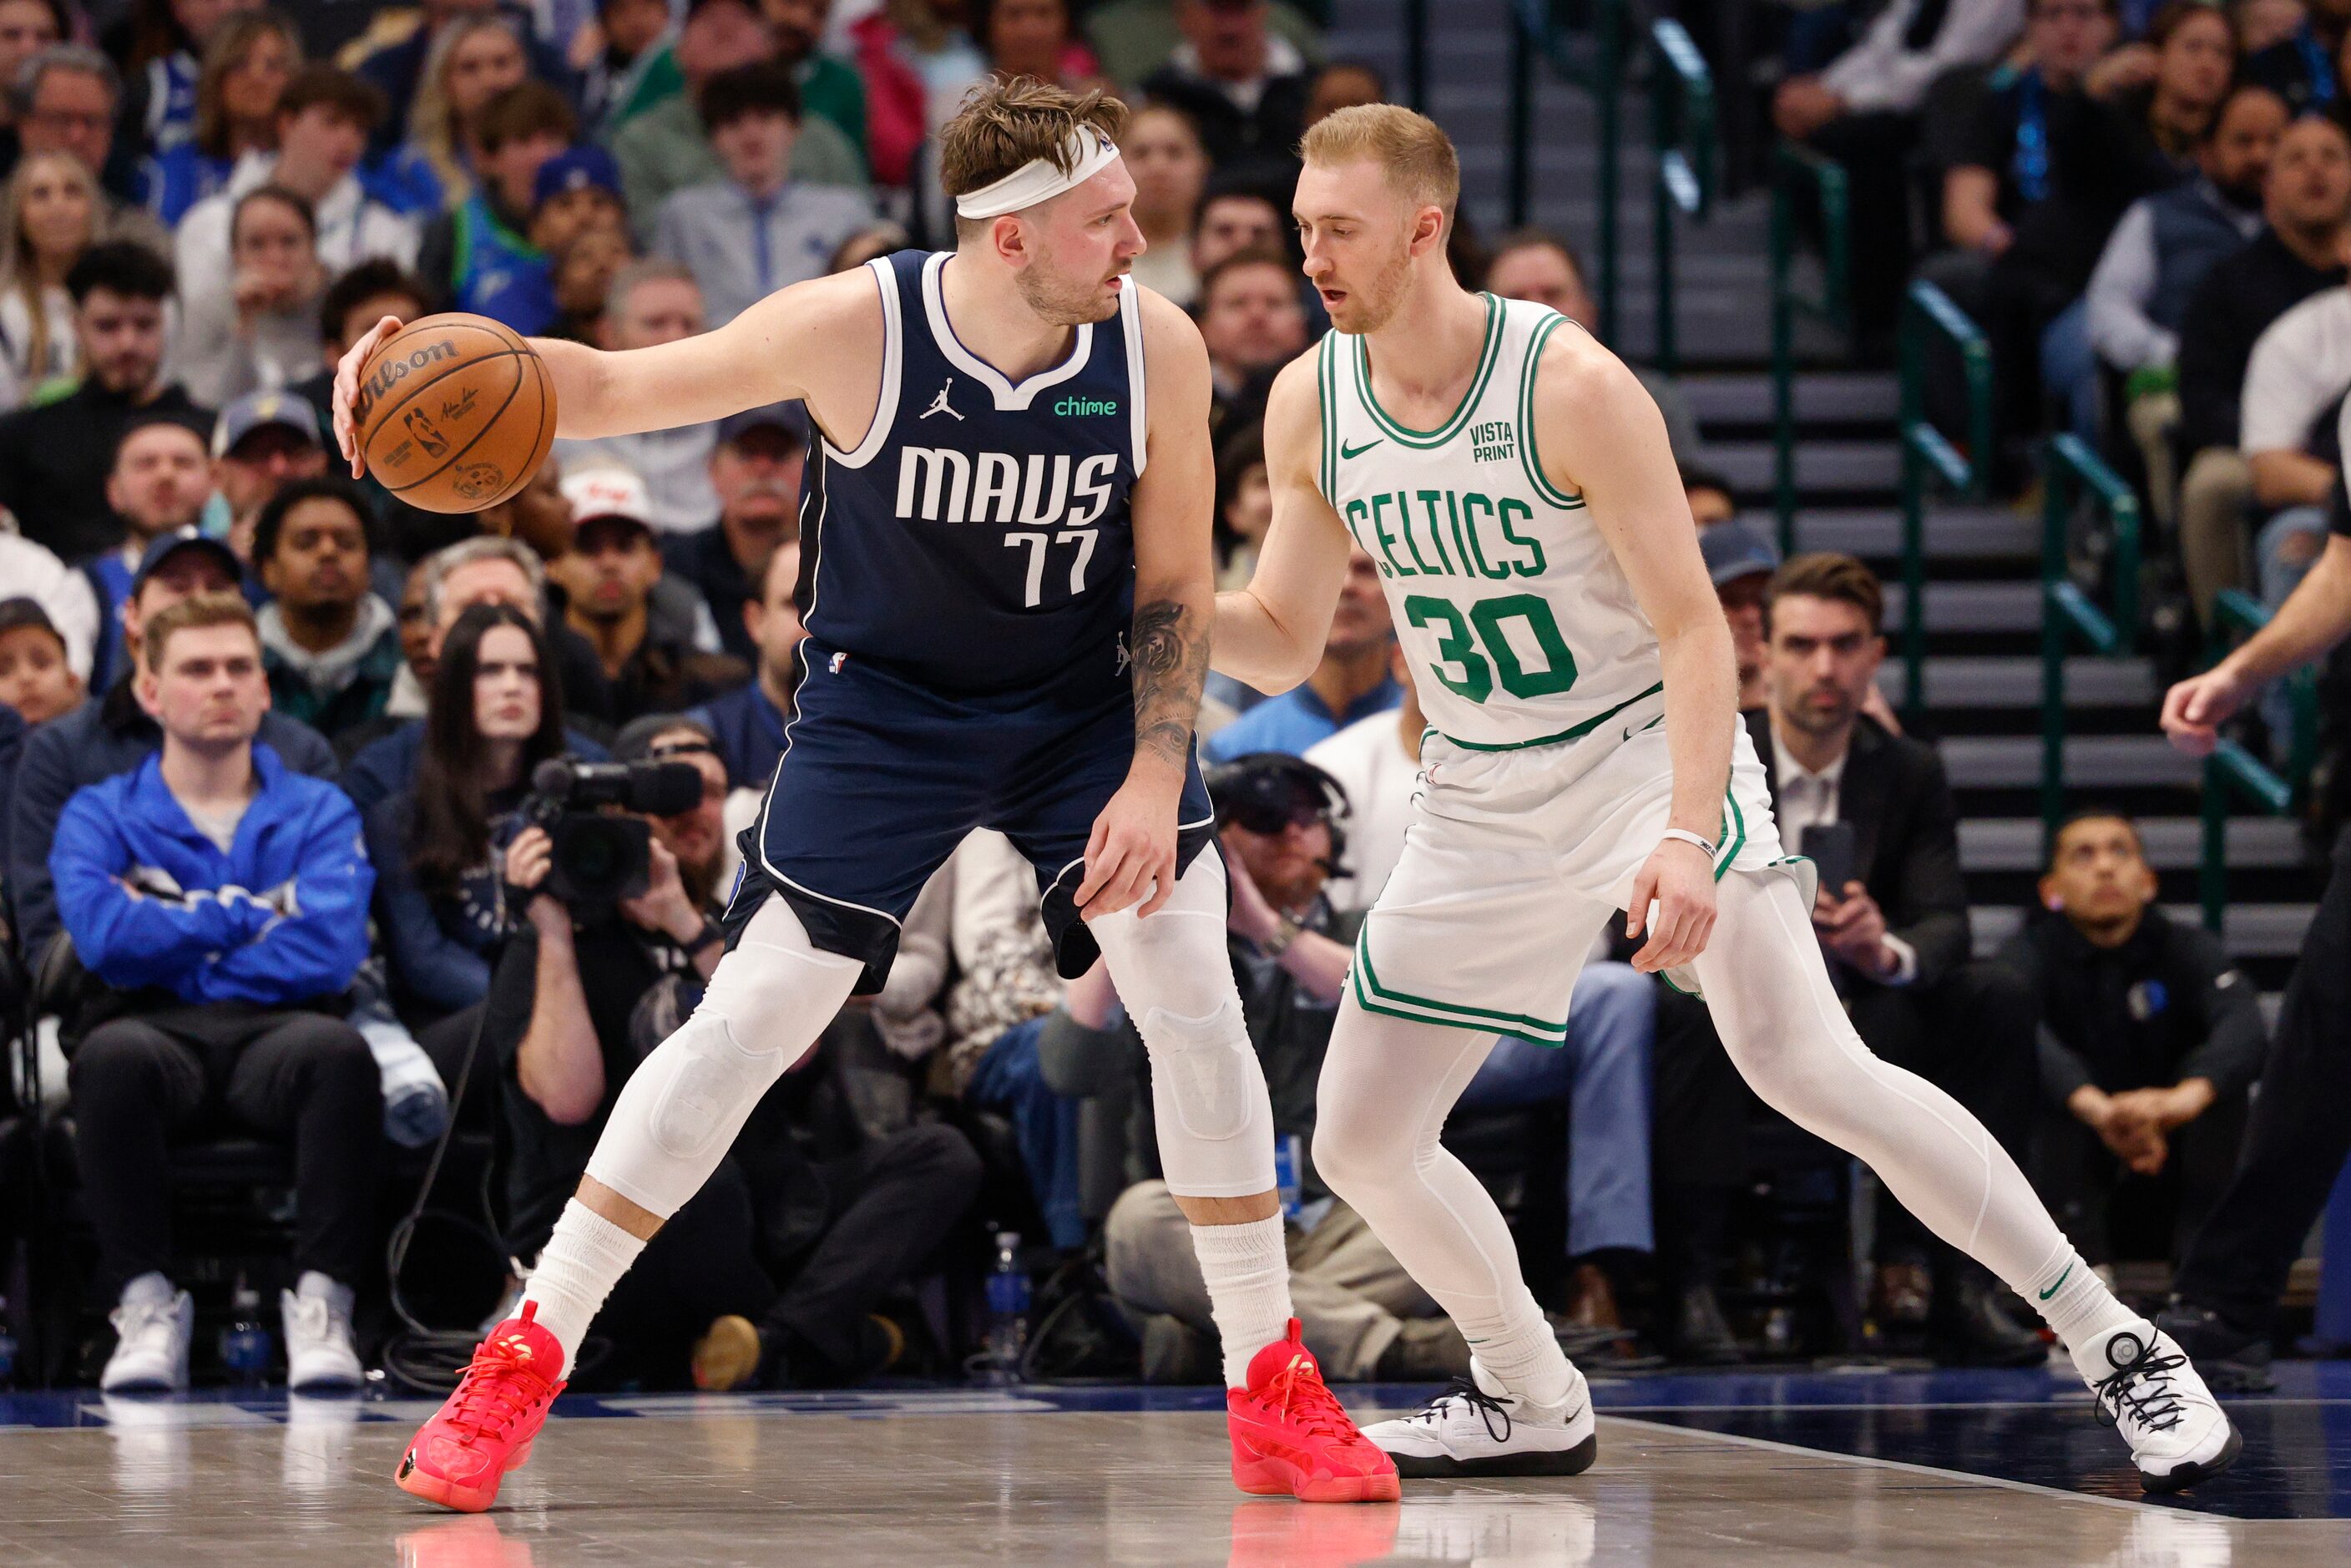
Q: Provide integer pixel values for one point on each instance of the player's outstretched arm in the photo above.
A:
(1270, 634)
(819, 341)
(1131, 855)
(1598, 433)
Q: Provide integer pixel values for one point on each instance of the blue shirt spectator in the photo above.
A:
(151, 900)
(1353, 682)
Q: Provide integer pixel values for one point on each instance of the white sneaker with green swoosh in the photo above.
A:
(2176, 1429)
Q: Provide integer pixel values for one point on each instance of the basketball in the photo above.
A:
(453, 413)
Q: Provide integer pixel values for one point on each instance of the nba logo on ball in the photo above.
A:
(453, 413)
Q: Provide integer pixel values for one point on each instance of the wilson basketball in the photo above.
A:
(453, 413)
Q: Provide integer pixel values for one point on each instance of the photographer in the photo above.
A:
(772, 1271)
(439, 845)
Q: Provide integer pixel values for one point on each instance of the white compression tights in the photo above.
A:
(1388, 1083)
(681, 1110)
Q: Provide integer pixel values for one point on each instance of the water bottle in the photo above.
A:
(7, 1348)
(245, 1345)
(1007, 1311)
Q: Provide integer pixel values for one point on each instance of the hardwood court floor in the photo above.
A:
(1949, 1471)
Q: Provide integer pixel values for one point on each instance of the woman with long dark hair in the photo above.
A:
(440, 846)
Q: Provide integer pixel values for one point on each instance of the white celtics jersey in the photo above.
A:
(1520, 627)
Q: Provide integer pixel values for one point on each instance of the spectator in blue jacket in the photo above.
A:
(112, 733)
(1352, 682)
(440, 846)
(221, 898)
(749, 720)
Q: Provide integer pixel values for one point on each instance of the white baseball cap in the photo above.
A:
(608, 492)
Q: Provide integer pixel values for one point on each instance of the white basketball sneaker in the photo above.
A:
(2176, 1432)
(320, 1354)
(151, 1330)
(1476, 1427)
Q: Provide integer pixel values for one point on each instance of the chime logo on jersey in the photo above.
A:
(940, 484)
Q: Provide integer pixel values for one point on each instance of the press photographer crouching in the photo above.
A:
(772, 1272)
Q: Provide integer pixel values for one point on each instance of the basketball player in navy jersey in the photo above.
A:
(1005, 581)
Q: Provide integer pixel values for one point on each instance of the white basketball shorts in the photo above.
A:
(1515, 859)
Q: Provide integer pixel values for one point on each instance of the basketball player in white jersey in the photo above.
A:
(1513, 482)
(950, 681)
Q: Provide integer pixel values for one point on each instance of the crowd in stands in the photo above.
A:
(268, 737)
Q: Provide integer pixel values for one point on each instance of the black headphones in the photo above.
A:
(1265, 792)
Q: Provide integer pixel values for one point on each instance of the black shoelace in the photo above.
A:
(1478, 1399)
(2140, 1382)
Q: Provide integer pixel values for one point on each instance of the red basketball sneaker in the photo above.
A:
(1291, 1437)
(458, 1457)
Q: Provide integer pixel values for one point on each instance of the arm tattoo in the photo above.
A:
(1170, 648)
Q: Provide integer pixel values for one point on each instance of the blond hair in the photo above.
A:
(224, 608)
(1003, 125)
(1417, 156)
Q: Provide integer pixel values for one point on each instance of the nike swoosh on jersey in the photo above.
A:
(1346, 451)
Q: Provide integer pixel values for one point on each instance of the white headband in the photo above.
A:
(1039, 180)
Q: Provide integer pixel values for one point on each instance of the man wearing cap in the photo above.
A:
(754, 469)
(324, 117)
(261, 442)
(653, 302)
(35, 679)
(55, 458)
(607, 577)
(577, 189)
(755, 229)
(112, 733)
(1742, 561)
(158, 484)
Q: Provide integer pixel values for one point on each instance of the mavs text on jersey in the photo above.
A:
(966, 581)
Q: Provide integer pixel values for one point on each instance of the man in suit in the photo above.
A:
(1895, 932)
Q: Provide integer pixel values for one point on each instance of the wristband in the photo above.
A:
(712, 933)
(1685, 836)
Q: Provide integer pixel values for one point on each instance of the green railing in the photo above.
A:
(1682, 130)
(2070, 474)
(1928, 457)
(1539, 30)
(1793, 167)
(2232, 771)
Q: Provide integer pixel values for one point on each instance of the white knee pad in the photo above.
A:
(681, 1110)
(1207, 1092)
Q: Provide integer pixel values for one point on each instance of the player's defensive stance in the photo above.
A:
(1513, 482)
(1008, 504)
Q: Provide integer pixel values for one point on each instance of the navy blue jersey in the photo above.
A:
(978, 539)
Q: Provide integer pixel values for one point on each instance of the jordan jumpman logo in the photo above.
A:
(939, 404)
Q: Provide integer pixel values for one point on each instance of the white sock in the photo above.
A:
(2082, 1310)
(584, 1258)
(1247, 1270)
(1517, 1346)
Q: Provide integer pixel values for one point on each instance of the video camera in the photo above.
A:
(598, 858)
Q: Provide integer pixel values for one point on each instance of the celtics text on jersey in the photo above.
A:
(1520, 627)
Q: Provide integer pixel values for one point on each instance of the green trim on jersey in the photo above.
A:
(1535, 476)
(1732, 815)
(1452, 427)
(1326, 394)
(1578, 733)
(1375, 997)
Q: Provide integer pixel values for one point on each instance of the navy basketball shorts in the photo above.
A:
(881, 780)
